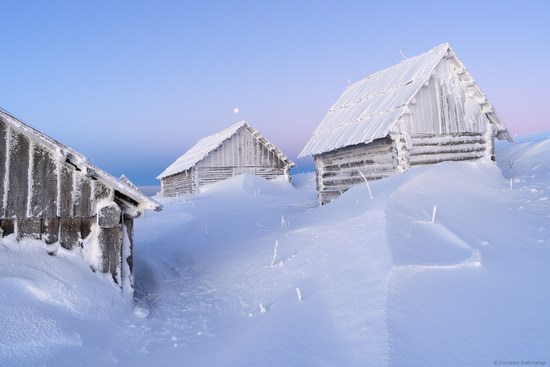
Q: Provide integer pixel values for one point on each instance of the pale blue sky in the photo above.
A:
(133, 84)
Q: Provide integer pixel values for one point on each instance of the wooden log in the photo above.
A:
(50, 230)
(438, 149)
(29, 228)
(448, 140)
(69, 232)
(348, 182)
(110, 244)
(18, 176)
(357, 153)
(432, 158)
(375, 160)
(82, 196)
(101, 191)
(44, 184)
(3, 156)
(66, 183)
(7, 227)
(86, 227)
(374, 146)
(108, 215)
(354, 171)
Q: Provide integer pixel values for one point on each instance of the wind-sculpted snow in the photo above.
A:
(382, 281)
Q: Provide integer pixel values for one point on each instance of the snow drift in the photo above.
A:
(252, 272)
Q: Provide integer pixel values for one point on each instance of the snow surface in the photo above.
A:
(380, 284)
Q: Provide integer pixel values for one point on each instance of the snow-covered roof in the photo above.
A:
(368, 109)
(204, 146)
(80, 161)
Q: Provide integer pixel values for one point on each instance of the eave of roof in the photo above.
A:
(80, 161)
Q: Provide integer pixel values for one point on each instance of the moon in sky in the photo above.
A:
(236, 110)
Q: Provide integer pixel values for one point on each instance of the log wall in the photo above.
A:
(178, 184)
(339, 170)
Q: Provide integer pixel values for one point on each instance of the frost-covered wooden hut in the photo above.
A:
(51, 192)
(424, 110)
(235, 150)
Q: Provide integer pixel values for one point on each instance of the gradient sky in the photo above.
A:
(132, 85)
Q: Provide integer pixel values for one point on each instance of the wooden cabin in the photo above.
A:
(424, 110)
(234, 151)
(51, 192)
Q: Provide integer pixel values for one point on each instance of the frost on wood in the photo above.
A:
(108, 214)
(239, 149)
(52, 193)
(424, 110)
(127, 278)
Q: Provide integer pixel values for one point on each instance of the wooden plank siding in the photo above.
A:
(242, 153)
(46, 197)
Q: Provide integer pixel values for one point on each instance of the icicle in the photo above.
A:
(433, 213)
(511, 184)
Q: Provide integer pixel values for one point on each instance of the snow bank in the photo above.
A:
(380, 284)
(52, 305)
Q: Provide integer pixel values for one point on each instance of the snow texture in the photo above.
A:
(380, 282)
(370, 108)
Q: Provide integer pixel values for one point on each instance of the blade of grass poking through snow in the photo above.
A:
(367, 182)
(275, 253)
(299, 294)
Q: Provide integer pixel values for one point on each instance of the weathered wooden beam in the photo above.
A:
(66, 187)
(436, 158)
(108, 216)
(3, 156)
(43, 201)
(454, 148)
(29, 228)
(50, 230)
(82, 196)
(86, 227)
(18, 176)
(7, 227)
(110, 244)
(69, 232)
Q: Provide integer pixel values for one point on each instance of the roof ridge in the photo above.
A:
(408, 60)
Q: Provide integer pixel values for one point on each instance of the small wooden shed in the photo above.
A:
(424, 110)
(51, 192)
(236, 150)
